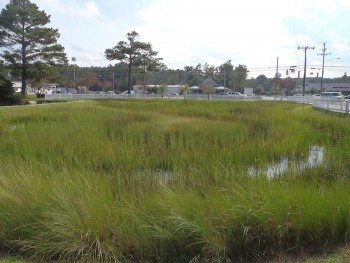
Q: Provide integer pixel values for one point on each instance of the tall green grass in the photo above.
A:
(168, 181)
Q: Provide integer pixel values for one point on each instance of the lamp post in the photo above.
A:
(74, 59)
(98, 76)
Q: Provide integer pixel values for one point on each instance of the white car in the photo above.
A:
(331, 95)
(236, 95)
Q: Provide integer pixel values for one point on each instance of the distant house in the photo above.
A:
(17, 86)
(209, 82)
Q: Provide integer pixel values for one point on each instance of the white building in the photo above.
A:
(17, 85)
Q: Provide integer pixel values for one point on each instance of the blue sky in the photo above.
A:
(188, 32)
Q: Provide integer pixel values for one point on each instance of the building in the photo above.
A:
(142, 89)
(335, 86)
(209, 82)
(175, 89)
(17, 85)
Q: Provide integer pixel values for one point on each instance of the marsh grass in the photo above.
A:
(167, 181)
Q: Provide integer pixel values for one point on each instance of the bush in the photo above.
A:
(7, 93)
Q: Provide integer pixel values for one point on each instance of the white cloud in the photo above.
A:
(252, 33)
(75, 9)
(89, 10)
(227, 30)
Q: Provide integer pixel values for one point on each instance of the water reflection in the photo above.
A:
(314, 159)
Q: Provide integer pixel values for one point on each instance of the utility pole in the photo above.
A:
(74, 59)
(113, 80)
(323, 54)
(305, 49)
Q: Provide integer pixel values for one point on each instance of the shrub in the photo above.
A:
(7, 93)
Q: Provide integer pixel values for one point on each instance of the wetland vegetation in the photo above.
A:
(172, 181)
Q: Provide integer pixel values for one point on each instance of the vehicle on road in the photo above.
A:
(331, 95)
(237, 95)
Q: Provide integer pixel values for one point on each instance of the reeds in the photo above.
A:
(118, 181)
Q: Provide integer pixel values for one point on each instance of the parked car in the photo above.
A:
(236, 95)
(347, 97)
(110, 92)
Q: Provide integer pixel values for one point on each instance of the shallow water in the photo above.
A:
(315, 158)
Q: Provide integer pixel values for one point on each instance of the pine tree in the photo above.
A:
(29, 46)
(134, 53)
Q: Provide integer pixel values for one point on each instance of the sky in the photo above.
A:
(257, 34)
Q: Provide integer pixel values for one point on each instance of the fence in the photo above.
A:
(301, 99)
(92, 96)
(339, 105)
(321, 103)
(332, 105)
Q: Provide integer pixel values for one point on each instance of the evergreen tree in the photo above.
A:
(30, 48)
(134, 53)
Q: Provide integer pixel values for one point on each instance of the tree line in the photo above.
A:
(116, 76)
